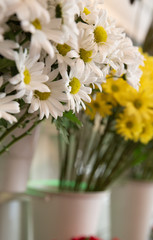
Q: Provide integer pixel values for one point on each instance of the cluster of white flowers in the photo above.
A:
(53, 53)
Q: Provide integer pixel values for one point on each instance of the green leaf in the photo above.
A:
(3, 123)
(62, 129)
(10, 35)
(72, 117)
(4, 63)
(139, 156)
(67, 124)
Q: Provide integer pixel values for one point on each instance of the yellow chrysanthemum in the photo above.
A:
(129, 127)
(108, 98)
(134, 121)
(100, 106)
(147, 76)
(147, 133)
(117, 88)
(140, 103)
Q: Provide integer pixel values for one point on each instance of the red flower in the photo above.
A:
(86, 238)
(90, 238)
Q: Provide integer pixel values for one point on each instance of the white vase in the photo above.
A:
(15, 164)
(65, 215)
(132, 211)
(15, 212)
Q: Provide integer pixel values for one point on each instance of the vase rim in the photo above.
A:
(50, 188)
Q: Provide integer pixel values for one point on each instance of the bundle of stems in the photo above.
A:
(94, 157)
(144, 170)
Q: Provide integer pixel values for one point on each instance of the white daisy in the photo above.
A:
(127, 60)
(2, 9)
(50, 103)
(42, 32)
(8, 105)
(65, 11)
(65, 55)
(3, 27)
(104, 34)
(87, 3)
(24, 9)
(133, 76)
(86, 52)
(78, 87)
(89, 10)
(30, 76)
(128, 53)
(114, 60)
(36, 19)
(6, 49)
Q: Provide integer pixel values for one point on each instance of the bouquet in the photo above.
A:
(117, 123)
(52, 55)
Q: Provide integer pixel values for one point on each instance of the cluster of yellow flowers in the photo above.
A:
(132, 110)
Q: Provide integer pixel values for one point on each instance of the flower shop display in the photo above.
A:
(52, 54)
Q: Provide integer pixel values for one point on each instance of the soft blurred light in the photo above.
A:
(135, 19)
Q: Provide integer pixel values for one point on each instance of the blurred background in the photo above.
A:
(137, 20)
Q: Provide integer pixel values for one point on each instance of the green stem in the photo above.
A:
(16, 139)
(64, 167)
(24, 41)
(98, 146)
(117, 170)
(111, 156)
(147, 167)
(99, 161)
(72, 176)
(100, 143)
(89, 139)
(20, 120)
(3, 86)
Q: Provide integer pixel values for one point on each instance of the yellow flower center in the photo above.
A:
(85, 55)
(96, 105)
(129, 124)
(27, 76)
(75, 85)
(115, 88)
(86, 11)
(144, 130)
(37, 24)
(42, 95)
(137, 103)
(100, 35)
(63, 49)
